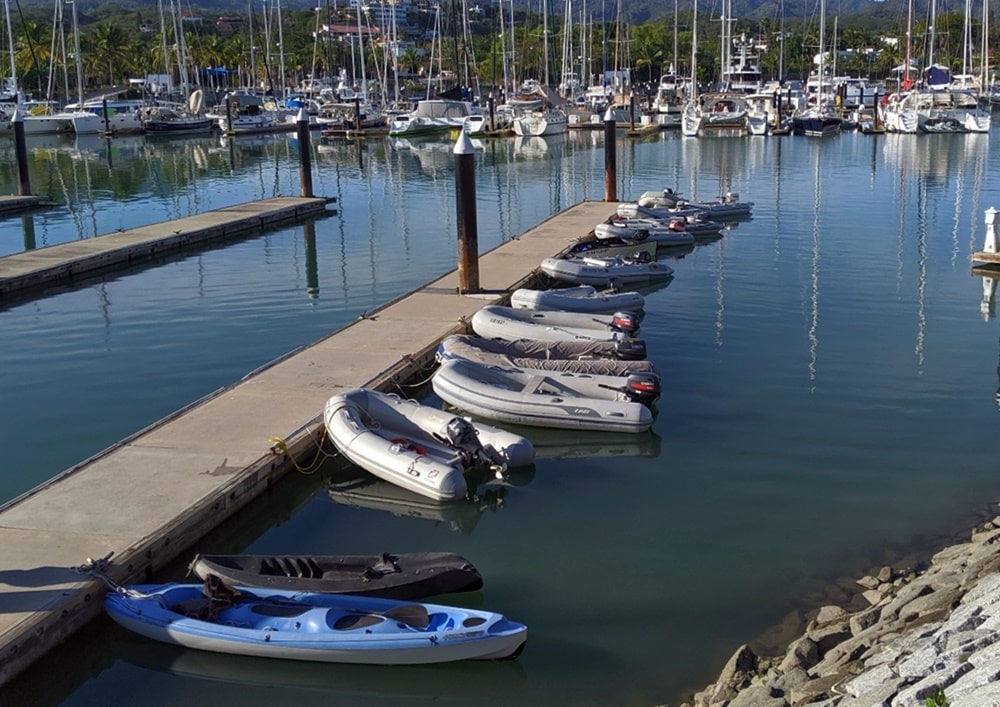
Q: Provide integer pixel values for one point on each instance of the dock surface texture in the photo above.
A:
(67, 262)
(151, 497)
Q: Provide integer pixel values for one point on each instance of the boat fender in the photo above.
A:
(625, 322)
(642, 387)
(630, 349)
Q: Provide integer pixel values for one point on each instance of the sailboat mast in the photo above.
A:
(930, 46)
(781, 42)
(822, 53)
(984, 56)
(77, 58)
(675, 65)
(253, 48)
(395, 57)
(281, 55)
(181, 49)
(694, 50)
(503, 49)
(10, 43)
(545, 40)
(361, 54)
(723, 46)
(567, 49)
(909, 27)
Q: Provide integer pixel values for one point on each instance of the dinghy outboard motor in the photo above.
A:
(643, 256)
(642, 387)
(625, 322)
(630, 349)
(460, 434)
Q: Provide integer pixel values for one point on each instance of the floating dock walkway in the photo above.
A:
(19, 204)
(150, 498)
(68, 262)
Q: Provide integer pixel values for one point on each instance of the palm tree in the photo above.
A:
(108, 48)
(32, 55)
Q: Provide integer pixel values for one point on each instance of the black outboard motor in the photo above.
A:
(642, 387)
(630, 349)
(461, 434)
(643, 256)
(625, 322)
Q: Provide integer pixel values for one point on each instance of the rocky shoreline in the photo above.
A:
(922, 633)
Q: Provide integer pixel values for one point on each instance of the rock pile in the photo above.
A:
(924, 635)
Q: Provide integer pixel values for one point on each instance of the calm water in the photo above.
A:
(830, 395)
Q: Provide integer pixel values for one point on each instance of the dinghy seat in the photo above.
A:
(539, 385)
(291, 567)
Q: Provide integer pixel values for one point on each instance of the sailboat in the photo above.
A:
(722, 111)
(818, 119)
(691, 117)
(186, 118)
(441, 114)
(545, 119)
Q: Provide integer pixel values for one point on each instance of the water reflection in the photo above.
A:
(456, 682)
(938, 158)
(535, 147)
(367, 492)
(573, 444)
(436, 156)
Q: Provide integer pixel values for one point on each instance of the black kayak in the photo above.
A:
(393, 576)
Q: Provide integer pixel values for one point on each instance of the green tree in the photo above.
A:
(108, 49)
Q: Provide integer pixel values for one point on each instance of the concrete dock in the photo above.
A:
(60, 264)
(19, 204)
(151, 497)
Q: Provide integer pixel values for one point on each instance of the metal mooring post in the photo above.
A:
(305, 155)
(21, 154)
(465, 201)
(610, 159)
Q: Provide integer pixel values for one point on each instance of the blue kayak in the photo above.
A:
(334, 628)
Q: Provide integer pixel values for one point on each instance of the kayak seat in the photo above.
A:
(278, 610)
(193, 608)
(350, 622)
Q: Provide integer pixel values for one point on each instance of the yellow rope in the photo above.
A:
(279, 446)
(411, 386)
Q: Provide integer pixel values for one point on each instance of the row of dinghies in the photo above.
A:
(566, 357)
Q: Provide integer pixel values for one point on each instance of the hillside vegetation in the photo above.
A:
(121, 40)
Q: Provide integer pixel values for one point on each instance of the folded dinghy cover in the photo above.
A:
(597, 357)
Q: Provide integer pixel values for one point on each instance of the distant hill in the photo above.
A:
(871, 13)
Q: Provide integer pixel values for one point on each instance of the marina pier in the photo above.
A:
(152, 496)
(47, 267)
